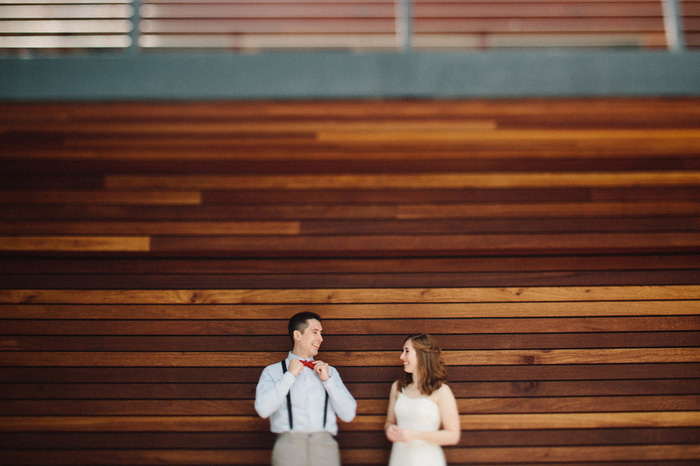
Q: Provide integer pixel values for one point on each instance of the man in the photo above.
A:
(302, 397)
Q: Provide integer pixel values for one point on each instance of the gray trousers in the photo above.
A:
(299, 449)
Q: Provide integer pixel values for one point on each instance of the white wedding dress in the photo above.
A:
(419, 414)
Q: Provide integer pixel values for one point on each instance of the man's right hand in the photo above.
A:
(295, 367)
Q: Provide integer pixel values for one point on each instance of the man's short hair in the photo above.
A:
(300, 322)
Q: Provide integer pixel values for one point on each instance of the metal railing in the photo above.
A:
(672, 25)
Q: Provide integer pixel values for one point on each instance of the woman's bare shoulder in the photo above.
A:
(395, 386)
(444, 392)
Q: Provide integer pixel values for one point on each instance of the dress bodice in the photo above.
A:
(417, 413)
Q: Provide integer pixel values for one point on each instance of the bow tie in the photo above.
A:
(308, 364)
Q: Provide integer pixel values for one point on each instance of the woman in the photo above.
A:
(422, 413)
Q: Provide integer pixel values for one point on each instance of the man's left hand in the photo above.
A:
(321, 368)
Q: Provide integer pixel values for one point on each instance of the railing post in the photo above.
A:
(673, 26)
(135, 20)
(404, 17)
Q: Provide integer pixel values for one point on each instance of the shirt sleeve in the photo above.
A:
(271, 392)
(342, 401)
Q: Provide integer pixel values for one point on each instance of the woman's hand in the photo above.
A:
(395, 434)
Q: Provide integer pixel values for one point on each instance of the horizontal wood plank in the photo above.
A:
(485, 341)
(348, 358)
(353, 280)
(369, 266)
(359, 296)
(521, 380)
(474, 326)
(369, 389)
(369, 422)
(101, 197)
(365, 406)
(434, 226)
(515, 455)
(445, 310)
(154, 228)
(75, 243)
(518, 212)
(418, 181)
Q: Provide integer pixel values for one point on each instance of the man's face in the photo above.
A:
(307, 344)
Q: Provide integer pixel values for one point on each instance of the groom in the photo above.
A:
(302, 398)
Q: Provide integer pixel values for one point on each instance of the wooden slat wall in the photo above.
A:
(690, 22)
(56, 27)
(539, 23)
(151, 254)
(269, 24)
(61, 27)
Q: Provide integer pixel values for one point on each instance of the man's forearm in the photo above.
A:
(344, 404)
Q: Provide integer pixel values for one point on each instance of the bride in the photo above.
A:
(422, 412)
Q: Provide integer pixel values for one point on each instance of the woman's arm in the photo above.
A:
(390, 414)
(451, 427)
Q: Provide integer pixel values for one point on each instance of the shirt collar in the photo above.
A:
(294, 356)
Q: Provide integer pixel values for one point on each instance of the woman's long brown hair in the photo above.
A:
(431, 370)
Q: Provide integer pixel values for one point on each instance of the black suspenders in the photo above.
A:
(289, 403)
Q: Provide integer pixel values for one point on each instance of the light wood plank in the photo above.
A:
(415, 245)
(405, 181)
(570, 109)
(102, 197)
(554, 421)
(281, 149)
(471, 406)
(561, 455)
(354, 296)
(245, 127)
(203, 228)
(75, 243)
(628, 136)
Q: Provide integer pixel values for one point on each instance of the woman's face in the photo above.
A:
(409, 358)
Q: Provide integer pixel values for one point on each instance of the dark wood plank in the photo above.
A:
(161, 342)
(364, 390)
(348, 439)
(472, 326)
(357, 280)
(313, 212)
(352, 358)
(218, 266)
(520, 376)
(666, 223)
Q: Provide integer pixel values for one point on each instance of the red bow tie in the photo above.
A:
(308, 364)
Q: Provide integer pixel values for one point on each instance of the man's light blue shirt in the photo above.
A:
(308, 394)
